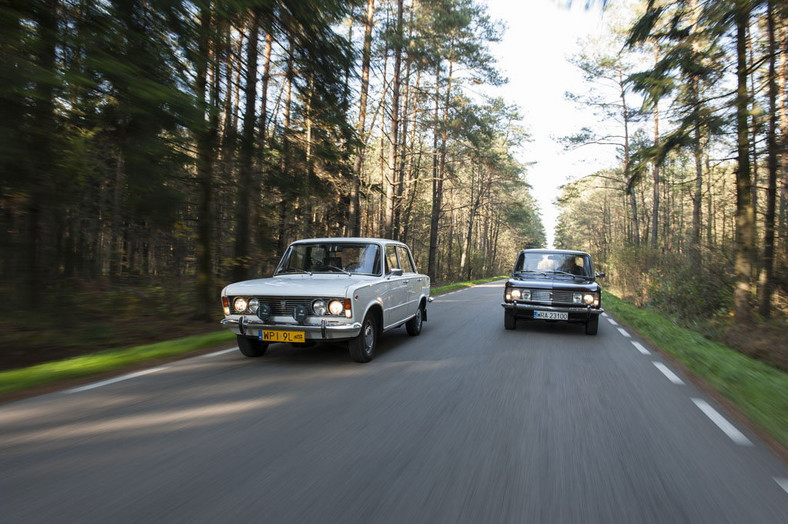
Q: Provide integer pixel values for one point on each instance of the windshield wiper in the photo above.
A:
(335, 268)
(570, 274)
(523, 271)
(293, 270)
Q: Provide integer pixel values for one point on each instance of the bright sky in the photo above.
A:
(540, 37)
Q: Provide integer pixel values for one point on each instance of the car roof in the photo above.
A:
(554, 252)
(348, 239)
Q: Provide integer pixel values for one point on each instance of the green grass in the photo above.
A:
(448, 288)
(759, 390)
(103, 361)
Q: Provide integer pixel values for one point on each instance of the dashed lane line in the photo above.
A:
(668, 373)
(640, 348)
(624, 332)
(217, 353)
(782, 482)
(114, 380)
(609, 319)
(734, 434)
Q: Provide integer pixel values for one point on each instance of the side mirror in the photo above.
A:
(396, 272)
(600, 275)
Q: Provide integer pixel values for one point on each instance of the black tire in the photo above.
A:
(509, 322)
(414, 325)
(592, 326)
(362, 348)
(251, 347)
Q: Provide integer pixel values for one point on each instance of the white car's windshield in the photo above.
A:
(561, 263)
(331, 257)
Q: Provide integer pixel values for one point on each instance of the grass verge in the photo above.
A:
(448, 288)
(760, 391)
(104, 361)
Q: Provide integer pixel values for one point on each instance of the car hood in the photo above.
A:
(560, 282)
(324, 285)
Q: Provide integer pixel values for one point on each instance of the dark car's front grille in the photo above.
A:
(547, 296)
(284, 305)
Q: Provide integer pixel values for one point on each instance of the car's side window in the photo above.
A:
(405, 260)
(391, 259)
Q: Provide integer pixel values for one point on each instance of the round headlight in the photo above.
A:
(516, 293)
(589, 299)
(336, 307)
(240, 304)
(577, 298)
(319, 307)
(253, 305)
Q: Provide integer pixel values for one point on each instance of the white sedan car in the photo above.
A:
(330, 289)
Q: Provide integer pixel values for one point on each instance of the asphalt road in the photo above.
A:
(467, 423)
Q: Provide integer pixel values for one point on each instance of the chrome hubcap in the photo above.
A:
(369, 337)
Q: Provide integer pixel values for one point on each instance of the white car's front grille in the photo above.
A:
(281, 306)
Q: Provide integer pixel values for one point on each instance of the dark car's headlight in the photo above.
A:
(516, 293)
(588, 299)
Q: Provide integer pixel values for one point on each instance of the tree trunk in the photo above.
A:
(205, 138)
(696, 197)
(745, 214)
(393, 178)
(439, 170)
(42, 130)
(630, 179)
(437, 186)
(766, 287)
(355, 203)
(284, 162)
(247, 190)
(263, 235)
(655, 174)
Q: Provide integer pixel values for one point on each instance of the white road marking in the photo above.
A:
(612, 321)
(640, 348)
(217, 353)
(726, 427)
(116, 379)
(668, 373)
(624, 332)
(782, 482)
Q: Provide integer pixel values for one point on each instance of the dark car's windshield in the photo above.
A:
(331, 257)
(554, 263)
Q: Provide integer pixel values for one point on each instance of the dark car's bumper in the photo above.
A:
(575, 314)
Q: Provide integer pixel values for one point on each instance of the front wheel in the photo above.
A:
(509, 321)
(414, 325)
(251, 347)
(362, 348)
(592, 326)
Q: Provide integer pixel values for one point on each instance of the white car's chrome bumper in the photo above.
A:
(250, 326)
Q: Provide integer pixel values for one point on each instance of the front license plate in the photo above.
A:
(551, 315)
(282, 336)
